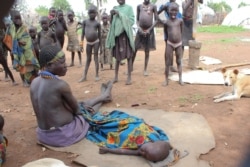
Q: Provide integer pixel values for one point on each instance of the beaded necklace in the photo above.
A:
(48, 75)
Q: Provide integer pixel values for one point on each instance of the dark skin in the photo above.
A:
(105, 19)
(152, 151)
(145, 24)
(70, 21)
(129, 60)
(165, 8)
(188, 8)
(173, 28)
(60, 27)
(45, 36)
(91, 30)
(33, 35)
(17, 20)
(53, 101)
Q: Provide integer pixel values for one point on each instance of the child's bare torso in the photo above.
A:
(146, 15)
(174, 30)
(91, 30)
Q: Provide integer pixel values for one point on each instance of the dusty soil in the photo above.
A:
(229, 120)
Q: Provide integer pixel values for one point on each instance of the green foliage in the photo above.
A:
(42, 10)
(220, 7)
(220, 29)
(153, 1)
(242, 4)
(61, 4)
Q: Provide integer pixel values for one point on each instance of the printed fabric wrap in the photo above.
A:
(118, 129)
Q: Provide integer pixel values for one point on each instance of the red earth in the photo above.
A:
(228, 120)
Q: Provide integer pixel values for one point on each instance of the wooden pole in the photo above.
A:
(195, 18)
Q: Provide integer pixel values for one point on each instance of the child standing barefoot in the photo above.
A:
(105, 56)
(73, 42)
(173, 28)
(91, 29)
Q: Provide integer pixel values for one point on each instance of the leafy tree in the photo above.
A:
(220, 7)
(242, 4)
(20, 5)
(42, 10)
(61, 4)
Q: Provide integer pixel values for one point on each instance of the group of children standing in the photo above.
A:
(110, 40)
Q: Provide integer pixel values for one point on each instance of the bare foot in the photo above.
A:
(25, 84)
(97, 79)
(115, 80)
(181, 83)
(14, 83)
(82, 79)
(71, 65)
(128, 82)
(145, 73)
(103, 150)
(165, 83)
(107, 93)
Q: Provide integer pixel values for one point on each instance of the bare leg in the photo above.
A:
(146, 63)
(179, 63)
(72, 59)
(88, 61)
(117, 64)
(96, 48)
(168, 60)
(133, 60)
(80, 58)
(105, 97)
(130, 64)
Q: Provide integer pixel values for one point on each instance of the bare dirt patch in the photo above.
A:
(228, 120)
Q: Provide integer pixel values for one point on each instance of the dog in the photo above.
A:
(240, 83)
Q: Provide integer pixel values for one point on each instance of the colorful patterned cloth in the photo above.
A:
(119, 130)
(3, 146)
(25, 60)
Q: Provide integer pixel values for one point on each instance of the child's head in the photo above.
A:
(92, 12)
(16, 17)
(52, 12)
(59, 15)
(44, 22)
(1, 123)
(173, 10)
(32, 31)
(105, 18)
(121, 2)
(71, 15)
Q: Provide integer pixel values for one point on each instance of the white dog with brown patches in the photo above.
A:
(239, 82)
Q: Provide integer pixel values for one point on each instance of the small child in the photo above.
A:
(73, 42)
(3, 142)
(46, 36)
(105, 56)
(173, 28)
(33, 35)
(91, 29)
(60, 27)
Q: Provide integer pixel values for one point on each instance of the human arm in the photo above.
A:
(83, 34)
(69, 101)
(162, 8)
(99, 36)
(119, 151)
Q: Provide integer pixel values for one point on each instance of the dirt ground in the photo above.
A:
(229, 120)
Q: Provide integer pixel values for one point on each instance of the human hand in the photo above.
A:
(81, 46)
(22, 43)
(112, 12)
